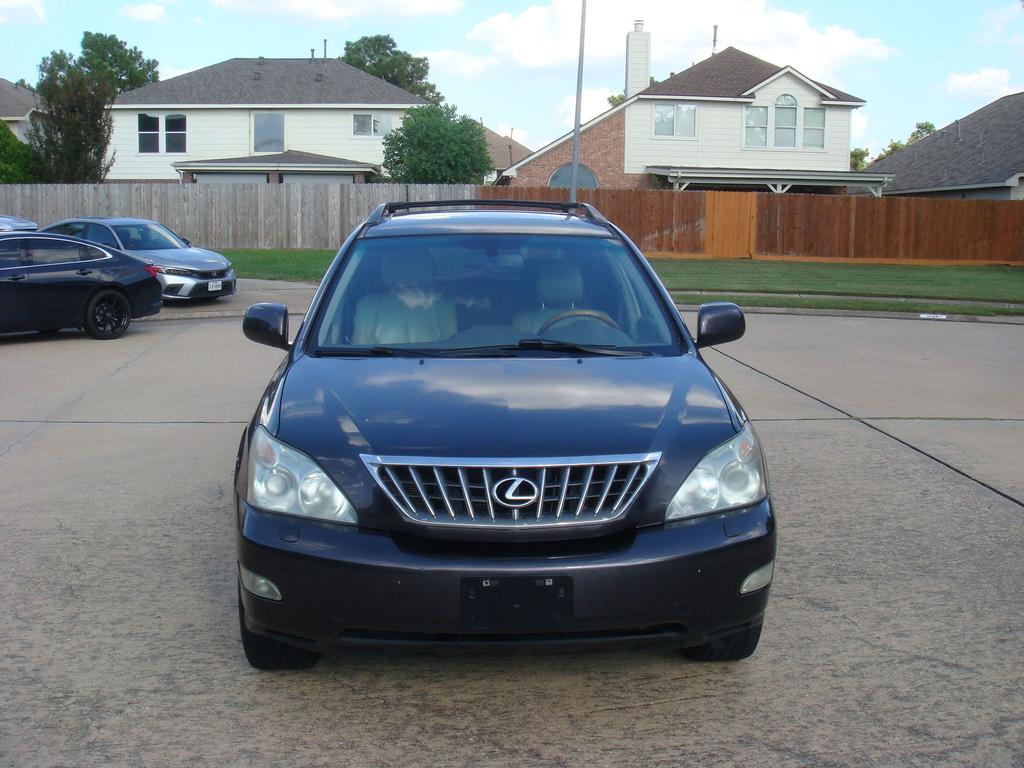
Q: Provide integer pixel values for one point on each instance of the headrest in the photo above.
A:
(559, 284)
(406, 268)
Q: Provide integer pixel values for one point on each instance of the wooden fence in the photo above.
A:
(226, 215)
(694, 224)
(765, 225)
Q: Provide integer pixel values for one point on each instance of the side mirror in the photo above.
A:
(267, 324)
(719, 322)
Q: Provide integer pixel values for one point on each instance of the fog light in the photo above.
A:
(258, 585)
(758, 579)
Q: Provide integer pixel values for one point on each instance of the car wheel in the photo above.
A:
(108, 315)
(729, 648)
(266, 653)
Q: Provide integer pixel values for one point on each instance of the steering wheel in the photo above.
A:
(593, 314)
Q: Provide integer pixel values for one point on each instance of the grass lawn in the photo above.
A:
(929, 284)
(979, 283)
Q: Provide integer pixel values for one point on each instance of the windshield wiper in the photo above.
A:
(553, 345)
(377, 351)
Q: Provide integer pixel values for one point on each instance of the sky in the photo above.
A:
(513, 63)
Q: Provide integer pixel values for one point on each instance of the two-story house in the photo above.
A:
(274, 120)
(730, 121)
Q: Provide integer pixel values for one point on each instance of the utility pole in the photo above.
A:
(579, 100)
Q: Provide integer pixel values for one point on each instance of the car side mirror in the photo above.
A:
(719, 322)
(267, 324)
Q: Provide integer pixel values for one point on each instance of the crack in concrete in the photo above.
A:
(879, 430)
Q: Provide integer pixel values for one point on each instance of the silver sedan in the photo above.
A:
(184, 271)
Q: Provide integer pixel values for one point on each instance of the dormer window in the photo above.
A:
(785, 121)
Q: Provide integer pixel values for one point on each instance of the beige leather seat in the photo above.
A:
(412, 311)
(559, 288)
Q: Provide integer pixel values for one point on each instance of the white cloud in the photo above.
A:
(987, 83)
(332, 10)
(546, 35)
(518, 134)
(148, 12)
(1001, 26)
(21, 10)
(458, 63)
(199, 21)
(594, 101)
(858, 125)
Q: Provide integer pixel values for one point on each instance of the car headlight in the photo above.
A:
(281, 479)
(732, 475)
(173, 271)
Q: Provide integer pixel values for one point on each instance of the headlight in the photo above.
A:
(173, 271)
(730, 476)
(281, 479)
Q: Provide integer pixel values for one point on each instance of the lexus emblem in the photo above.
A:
(515, 492)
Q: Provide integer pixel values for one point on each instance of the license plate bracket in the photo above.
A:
(516, 603)
(215, 285)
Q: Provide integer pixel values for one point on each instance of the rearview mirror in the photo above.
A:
(719, 322)
(267, 324)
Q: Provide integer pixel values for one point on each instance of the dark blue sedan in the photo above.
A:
(49, 282)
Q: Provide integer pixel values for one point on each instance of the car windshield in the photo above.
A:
(147, 237)
(492, 294)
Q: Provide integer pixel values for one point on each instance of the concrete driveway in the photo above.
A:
(894, 635)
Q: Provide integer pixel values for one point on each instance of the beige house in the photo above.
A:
(274, 120)
(730, 121)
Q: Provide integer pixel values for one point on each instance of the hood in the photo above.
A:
(184, 258)
(14, 224)
(499, 407)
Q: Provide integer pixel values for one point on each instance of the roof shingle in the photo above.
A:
(504, 150)
(15, 101)
(985, 147)
(728, 74)
(272, 81)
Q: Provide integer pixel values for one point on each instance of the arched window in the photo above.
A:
(785, 121)
(562, 177)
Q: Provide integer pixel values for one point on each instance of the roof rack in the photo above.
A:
(585, 209)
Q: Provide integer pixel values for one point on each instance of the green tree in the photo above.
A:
(859, 158)
(615, 99)
(109, 56)
(22, 83)
(380, 56)
(71, 132)
(437, 146)
(921, 130)
(17, 161)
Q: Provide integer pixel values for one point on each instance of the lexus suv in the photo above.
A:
(493, 429)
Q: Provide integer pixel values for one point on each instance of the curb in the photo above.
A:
(991, 319)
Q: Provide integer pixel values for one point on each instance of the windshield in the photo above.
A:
(147, 237)
(473, 293)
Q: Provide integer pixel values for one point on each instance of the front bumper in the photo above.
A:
(197, 287)
(677, 584)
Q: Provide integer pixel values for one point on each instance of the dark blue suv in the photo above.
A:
(493, 428)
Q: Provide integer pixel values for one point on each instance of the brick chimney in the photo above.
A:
(638, 59)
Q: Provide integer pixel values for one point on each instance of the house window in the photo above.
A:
(785, 121)
(814, 128)
(562, 177)
(675, 120)
(755, 127)
(174, 133)
(268, 132)
(149, 133)
(371, 125)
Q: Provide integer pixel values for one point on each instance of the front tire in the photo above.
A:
(108, 315)
(266, 653)
(729, 648)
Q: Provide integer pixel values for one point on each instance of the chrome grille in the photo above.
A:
(512, 493)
